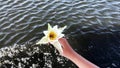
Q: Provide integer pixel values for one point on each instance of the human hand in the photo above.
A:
(67, 49)
(69, 53)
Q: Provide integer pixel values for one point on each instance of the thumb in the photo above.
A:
(64, 43)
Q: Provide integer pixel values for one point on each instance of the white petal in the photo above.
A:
(61, 29)
(61, 35)
(55, 27)
(49, 27)
(58, 46)
(44, 40)
(45, 32)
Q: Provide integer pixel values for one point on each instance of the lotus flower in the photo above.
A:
(52, 35)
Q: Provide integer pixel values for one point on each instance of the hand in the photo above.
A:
(69, 53)
(67, 49)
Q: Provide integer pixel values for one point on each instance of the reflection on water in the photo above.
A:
(94, 25)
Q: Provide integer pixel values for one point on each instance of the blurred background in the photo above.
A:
(93, 30)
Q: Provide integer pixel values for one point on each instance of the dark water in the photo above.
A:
(93, 31)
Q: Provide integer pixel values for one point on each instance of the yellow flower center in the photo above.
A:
(52, 35)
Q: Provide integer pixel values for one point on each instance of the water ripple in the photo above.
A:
(23, 21)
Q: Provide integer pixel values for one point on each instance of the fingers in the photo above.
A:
(67, 49)
(64, 43)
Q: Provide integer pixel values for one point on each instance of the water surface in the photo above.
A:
(93, 31)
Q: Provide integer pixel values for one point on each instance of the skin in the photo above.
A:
(69, 53)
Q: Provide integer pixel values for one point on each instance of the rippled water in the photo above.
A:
(93, 31)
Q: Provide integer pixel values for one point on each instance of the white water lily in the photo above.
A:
(51, 36)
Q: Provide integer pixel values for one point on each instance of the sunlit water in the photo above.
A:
(93, 31)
